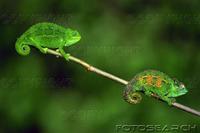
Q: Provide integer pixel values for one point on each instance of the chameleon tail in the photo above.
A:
(21, 47)
(132, 97)
(130, 94)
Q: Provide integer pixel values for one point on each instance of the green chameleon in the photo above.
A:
(47, 35)
(153, 82)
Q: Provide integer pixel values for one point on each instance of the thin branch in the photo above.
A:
(122, 81)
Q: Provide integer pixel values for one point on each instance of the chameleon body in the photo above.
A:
(47, 35)
(153, 82)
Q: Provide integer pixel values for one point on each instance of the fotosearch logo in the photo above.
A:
(155, 128)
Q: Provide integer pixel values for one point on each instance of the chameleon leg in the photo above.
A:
(173, 100)
(148, 93)
(65, 55)
(168, 100)
(43, 50)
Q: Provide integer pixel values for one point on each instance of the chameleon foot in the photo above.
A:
(44, 50)
(171, 101)
(66, 56)
(57, 50)
(148, 93)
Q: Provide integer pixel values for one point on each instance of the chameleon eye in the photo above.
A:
(182, 86)
(74, 34)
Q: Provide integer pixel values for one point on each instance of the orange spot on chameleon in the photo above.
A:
(158, 82)
(149, 80)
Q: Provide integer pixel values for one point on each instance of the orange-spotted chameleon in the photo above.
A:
(153, 82)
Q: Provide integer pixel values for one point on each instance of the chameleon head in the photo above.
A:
(73, 36)
(178, 89)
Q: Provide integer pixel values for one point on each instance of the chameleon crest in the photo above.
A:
(47, 35)
(153, 82)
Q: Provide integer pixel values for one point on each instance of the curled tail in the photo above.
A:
(130, 95)
(21, 47)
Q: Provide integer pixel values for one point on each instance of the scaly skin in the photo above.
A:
(47, 35)
(154, 82)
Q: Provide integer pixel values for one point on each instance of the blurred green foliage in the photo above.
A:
(40, 93)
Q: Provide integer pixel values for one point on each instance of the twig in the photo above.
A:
(122, 81)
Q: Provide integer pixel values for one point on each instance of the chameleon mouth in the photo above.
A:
(185, 91)
(73, 40)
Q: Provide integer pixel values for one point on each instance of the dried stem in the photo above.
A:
(122, 81)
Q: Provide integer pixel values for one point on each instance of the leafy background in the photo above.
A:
(43, 94)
